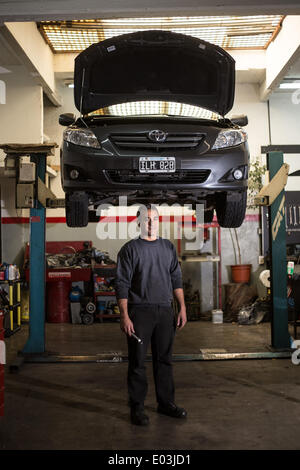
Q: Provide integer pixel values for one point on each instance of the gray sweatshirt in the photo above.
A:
(147, 271)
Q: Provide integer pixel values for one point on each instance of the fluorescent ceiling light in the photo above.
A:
(290, 85)
(229, 32)
(156, 108)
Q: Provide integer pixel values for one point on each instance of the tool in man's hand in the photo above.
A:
(137, 338)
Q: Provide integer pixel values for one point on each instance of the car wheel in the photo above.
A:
(77, 209)
(231, 213)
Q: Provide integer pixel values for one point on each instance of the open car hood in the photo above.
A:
(154, 65)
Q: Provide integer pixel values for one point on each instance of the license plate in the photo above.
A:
(157, 164)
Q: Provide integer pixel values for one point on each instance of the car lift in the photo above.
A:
(272, 195)
(42, 197)
(34, 351)
(275, 199)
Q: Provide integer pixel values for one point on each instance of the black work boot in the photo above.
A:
(170, 409)
(138, 415)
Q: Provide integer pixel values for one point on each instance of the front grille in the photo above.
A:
(177, 177)
(140, 141)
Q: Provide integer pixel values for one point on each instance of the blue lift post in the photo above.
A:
(280, 338)
(38, 154)
(36, 340)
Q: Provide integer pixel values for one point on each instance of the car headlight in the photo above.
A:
(84, 137)
(229, 138)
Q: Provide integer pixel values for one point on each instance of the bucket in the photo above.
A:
(75, 294)
(241, 273)
(217, 316)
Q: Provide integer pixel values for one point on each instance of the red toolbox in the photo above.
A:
(72, 274)
(2, 360)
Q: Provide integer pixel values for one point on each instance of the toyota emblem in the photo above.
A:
(157, 136)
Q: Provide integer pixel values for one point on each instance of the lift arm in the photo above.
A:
(273, 188)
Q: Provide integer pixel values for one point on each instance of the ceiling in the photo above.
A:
(229, 32)
(41, 10)
(7, 57)
(294, 71)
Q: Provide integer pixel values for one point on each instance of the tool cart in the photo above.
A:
(104, 292)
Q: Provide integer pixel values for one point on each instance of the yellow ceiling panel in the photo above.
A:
(229, 32)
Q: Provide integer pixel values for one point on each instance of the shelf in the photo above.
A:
(103, 266)
(201, 259)
(104, 293)
(107, 315)
(18, 304)
(105, 270)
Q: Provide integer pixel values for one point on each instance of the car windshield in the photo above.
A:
(156, 108)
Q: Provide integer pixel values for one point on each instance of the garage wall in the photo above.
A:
(204, 277)
(21, 117)
(54, 131)
(247, 102)
(285, 118)
(14, 234)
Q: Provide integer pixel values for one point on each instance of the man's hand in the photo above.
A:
(126, 325)
(181, 319)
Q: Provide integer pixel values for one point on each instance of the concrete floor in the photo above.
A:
(239, 404)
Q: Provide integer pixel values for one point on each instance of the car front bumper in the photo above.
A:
(99, 172)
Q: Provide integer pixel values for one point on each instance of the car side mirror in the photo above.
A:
(241, 120)
(67, 119)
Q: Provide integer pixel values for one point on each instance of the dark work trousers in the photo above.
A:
(155, 323)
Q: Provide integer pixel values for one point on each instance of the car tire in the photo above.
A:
(77, 209)
(94, 216)
(90, 308)
(231, 214)
(87, 319)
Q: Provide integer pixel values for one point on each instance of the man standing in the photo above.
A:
(148, 274)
